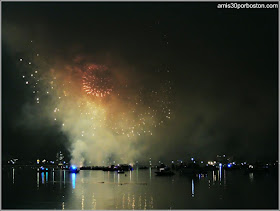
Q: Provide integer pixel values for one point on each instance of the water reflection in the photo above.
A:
(225, 178)
(132, 201)
(214, 177)
(64, 178)
(85, 189)
(145, 203)
(53, 177)
(140, 202)
(83, 199)
(93, 202)
(129, 195)
(13, 175)
(152, 203)
(123, 200)
(47, 175)
(38, 180)
(73, 177)
(220, 173)
(128, 200)
(192, 188)
(251, 177)
(43, 178)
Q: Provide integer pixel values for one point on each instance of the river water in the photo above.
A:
(25, 188)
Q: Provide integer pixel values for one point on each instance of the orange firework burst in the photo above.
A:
(97, 80)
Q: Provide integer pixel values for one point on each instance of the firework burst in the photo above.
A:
(77, 98)
(97, 80)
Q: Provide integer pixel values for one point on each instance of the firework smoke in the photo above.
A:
(103, 115)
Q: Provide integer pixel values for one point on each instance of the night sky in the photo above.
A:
(203, 80)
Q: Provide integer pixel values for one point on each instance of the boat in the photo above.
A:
(73, 169)
(257, 169)
(164, 172)
(125, 167)
(120, 171)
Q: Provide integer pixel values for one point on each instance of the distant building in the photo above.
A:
(59, 158)
(224, 159)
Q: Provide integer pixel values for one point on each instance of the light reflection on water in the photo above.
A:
(47, 176)
(220, 174)
(225, 179)
(43, 177)
(38, 180)
(192, 188)
(93, 202)
(13, 176)
(213, 176)
(102, 190)
(83, 199)
(73, 177)
(114, 177)
(251, 176)
(64, 178)
(123, 191)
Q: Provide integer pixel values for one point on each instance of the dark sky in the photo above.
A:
(224, 66)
